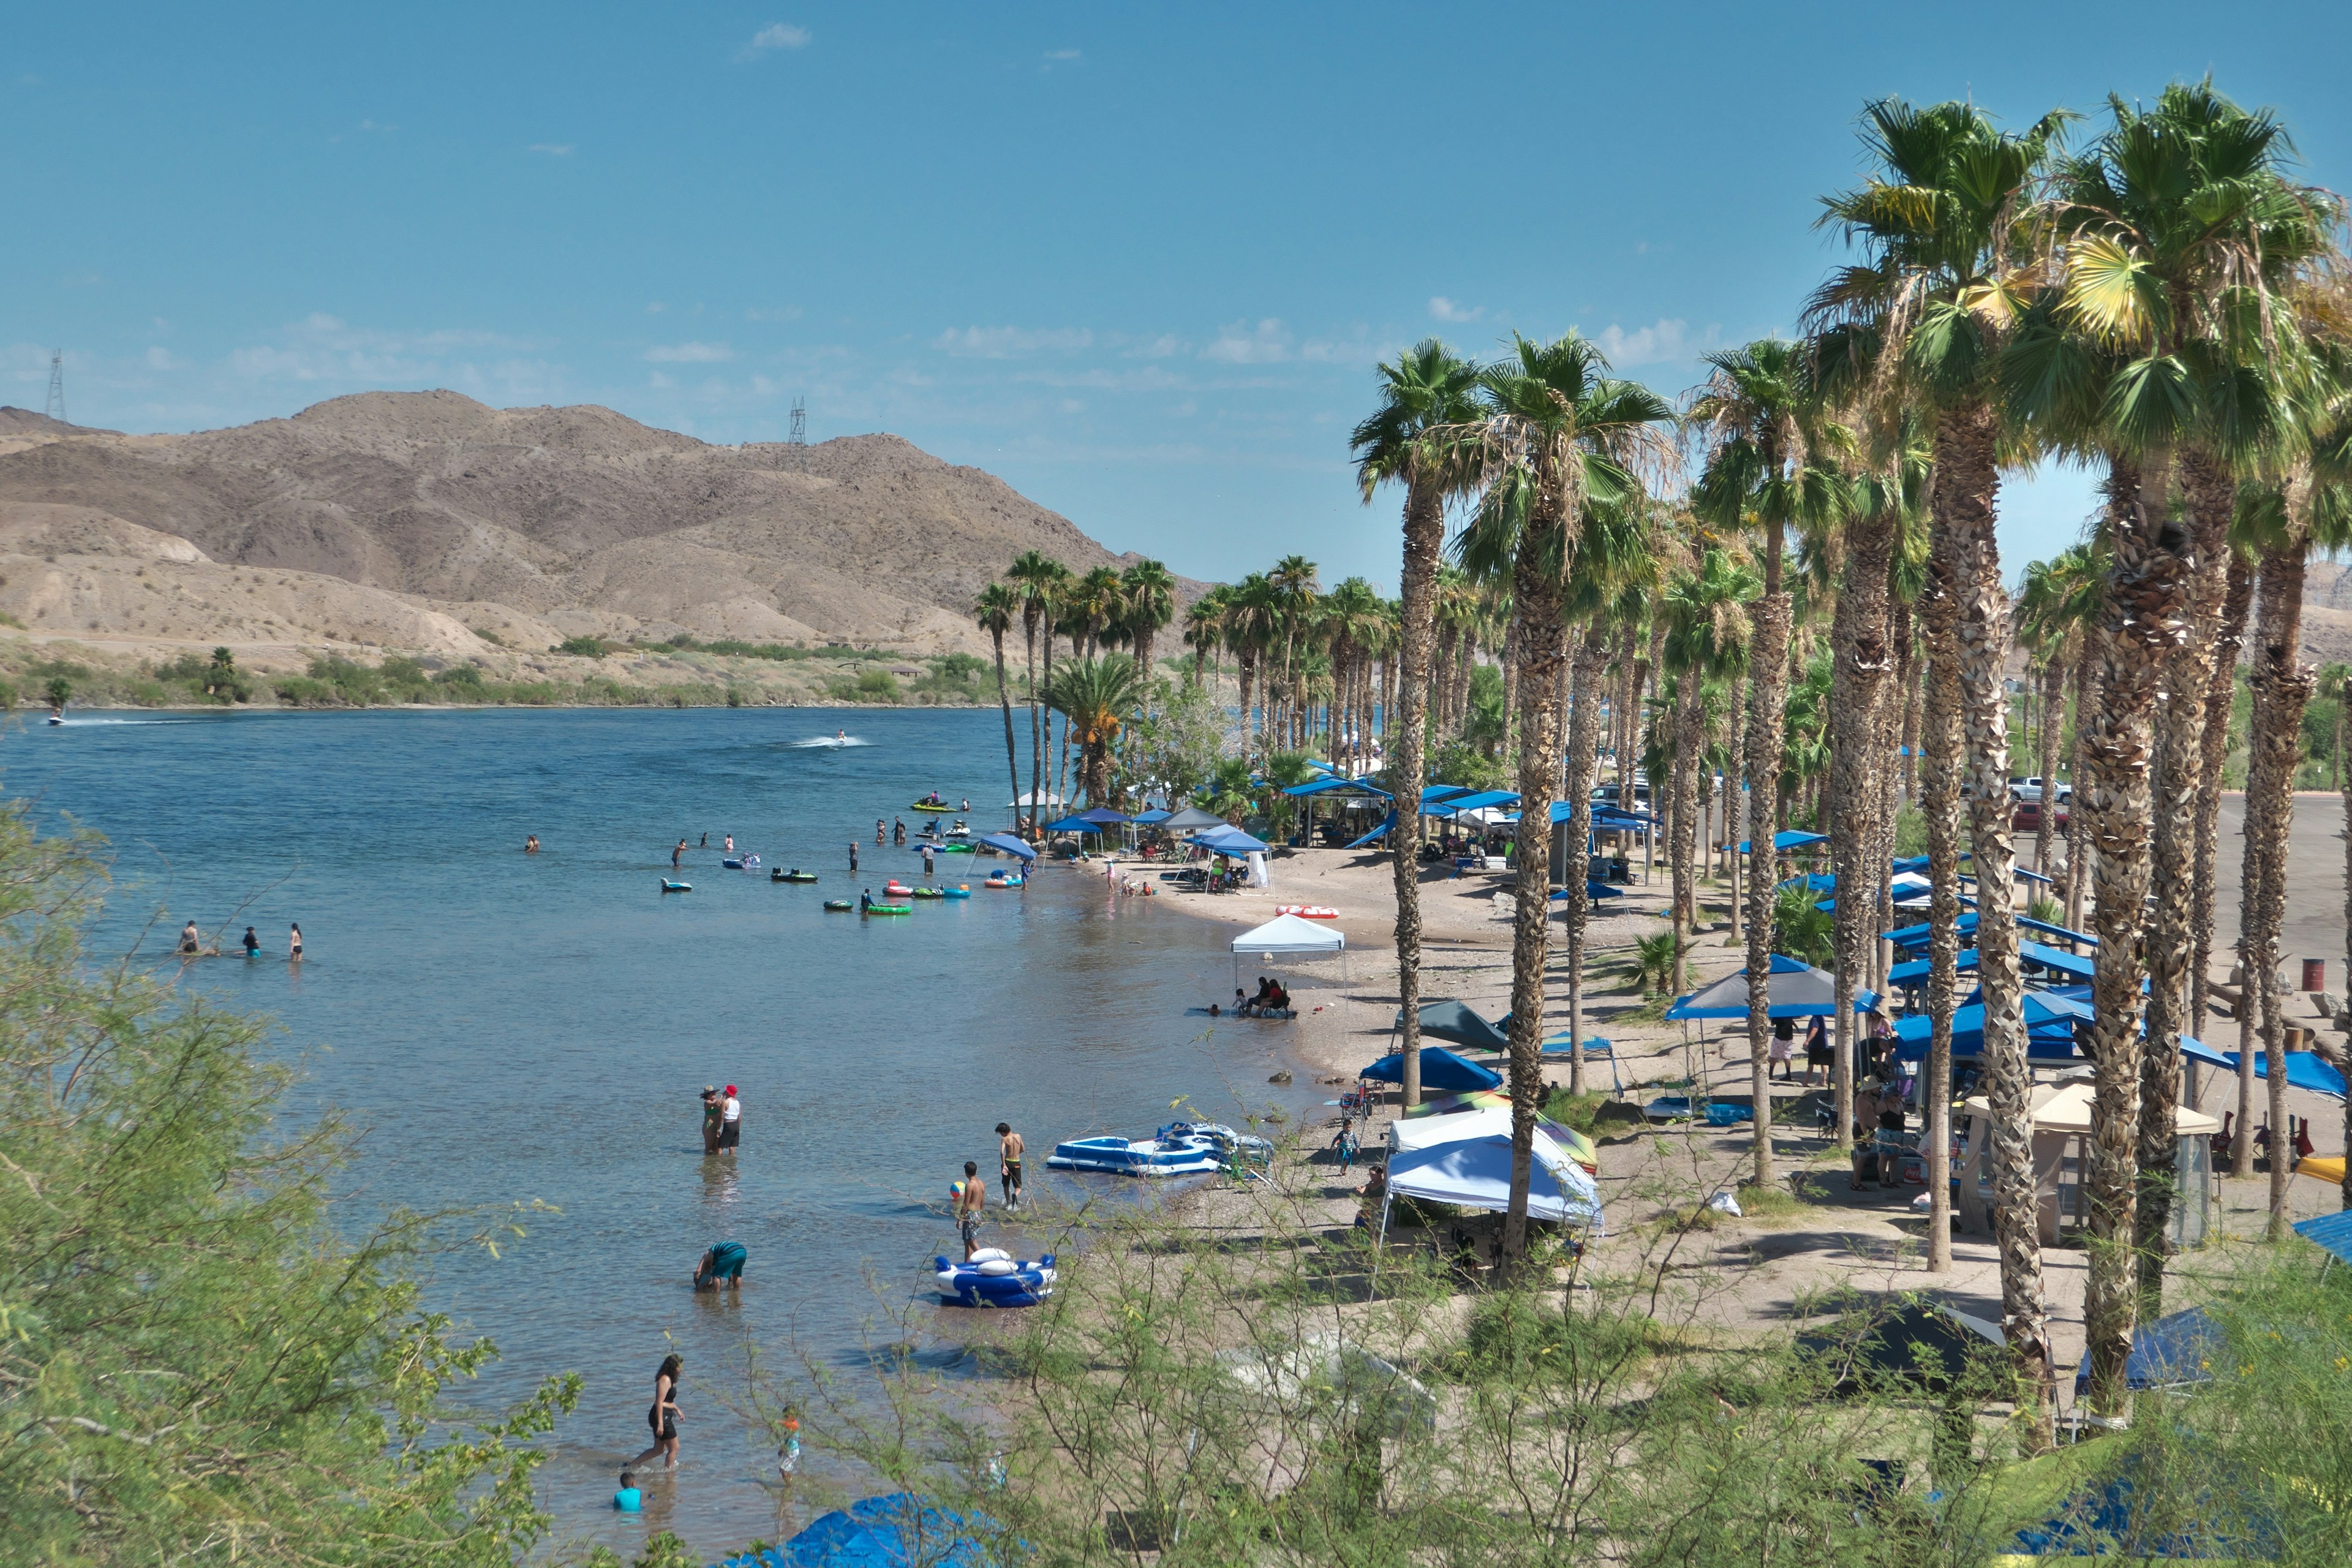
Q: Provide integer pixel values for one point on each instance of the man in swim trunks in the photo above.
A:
(252, 943)
(730, 1120)
(723, 1264)
(853, 854)
(676, 854)
(969, 1203)
(711, 1119)
(1008, 1157)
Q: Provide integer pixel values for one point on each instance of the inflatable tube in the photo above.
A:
(1004, 881)
(840, 906)
(998, 1281)
(889, 909)
(925, 893)
(956, 893)
(670, 886)
(1308, 911)
(780, 875)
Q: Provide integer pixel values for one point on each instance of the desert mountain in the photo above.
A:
(416, 520)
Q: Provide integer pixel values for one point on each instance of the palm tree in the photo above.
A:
(998, 606)
(1096, 695)
(1759, 413)
(1942, 282)
(1204, 631)
(1704, 612)
(1293, 578)
(1039, 579)
(1253, 611)
(1148, 592)
(2055, 609)
(1555, 420)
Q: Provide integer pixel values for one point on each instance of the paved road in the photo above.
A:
(2314, 887)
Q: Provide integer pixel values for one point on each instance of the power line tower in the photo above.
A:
(797, 442)
(56, 406)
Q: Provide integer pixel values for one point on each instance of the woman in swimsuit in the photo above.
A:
(663, 1416)
(294, 943)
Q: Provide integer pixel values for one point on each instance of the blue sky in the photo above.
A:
(1137, 262)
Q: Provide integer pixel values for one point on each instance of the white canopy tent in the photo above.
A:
(1289, 936)
(1475, 1173)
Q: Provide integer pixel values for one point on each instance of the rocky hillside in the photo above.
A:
(421, 520)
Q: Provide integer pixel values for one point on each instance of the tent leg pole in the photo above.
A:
(1382, 1239)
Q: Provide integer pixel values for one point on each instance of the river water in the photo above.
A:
(509, 1028)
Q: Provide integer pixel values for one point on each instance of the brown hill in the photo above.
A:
(418, 515)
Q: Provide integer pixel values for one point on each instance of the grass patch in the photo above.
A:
(1757, 1205)
(1595, 1114)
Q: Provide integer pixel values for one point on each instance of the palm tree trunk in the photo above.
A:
(2237, 597)
(2171, 944)
(1680, 828)
(1005, 699)
(1898, 708)
(2281, 687)
(1537, 594)
(1940, 794)
(1968, 479)
(1767, 700)
(1036, 741)
(2053, 703)
(1858, 638)
(1590, 665)
(2080, 851)
(1915, 710)
(1424, 534)
(2143, 600)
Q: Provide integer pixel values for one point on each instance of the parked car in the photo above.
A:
(2029, 789)
(2027, 818)
(1606, 794)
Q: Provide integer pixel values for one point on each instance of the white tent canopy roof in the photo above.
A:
(2066, 1108)
(1476, 1174)
(1288, 933)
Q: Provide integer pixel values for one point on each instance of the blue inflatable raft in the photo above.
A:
(994, 1278)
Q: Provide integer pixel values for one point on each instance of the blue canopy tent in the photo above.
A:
(1799, 991)
(2166, 1353)
(2331, 1231)
(1377, 833)
(1440, 1068)
(1152, 818)
(1338, 787)
(1229, 841)
(2305, 1069)
(1430, 794)
(1482, 800)
(1792, 839)
(1103, 816)
(1455, 1022)
(2032, 954)
(2050, 1022)
(1006, 843)
(1074, 825)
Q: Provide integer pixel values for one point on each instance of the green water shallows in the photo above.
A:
(510, 1027)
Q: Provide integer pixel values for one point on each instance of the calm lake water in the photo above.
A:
(510, 1028)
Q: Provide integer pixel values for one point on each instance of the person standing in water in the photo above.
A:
(730, 844)
(710, 1120)
(294, 943)
(927, 866)
(189, 940)
(252, 943)
(971, 1199)
(678, 854)
(531, 845)
(730, 1120)
(663, 1416)
(852, 856)
(1008, 1159)
(880, 828)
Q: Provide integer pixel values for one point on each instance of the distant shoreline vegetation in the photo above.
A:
(822, 676)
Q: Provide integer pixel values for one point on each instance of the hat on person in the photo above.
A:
(730, 1088)
(710, 1090)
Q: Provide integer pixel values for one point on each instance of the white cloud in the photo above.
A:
(1160, 347)
(688, 353)
(554, 149)
(376, 125)
(1008, 342)
(774, 36)
(1446, 310)
(654, 306)
(1661, 341)
(1239, 343)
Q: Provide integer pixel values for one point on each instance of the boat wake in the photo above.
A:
(828, 743)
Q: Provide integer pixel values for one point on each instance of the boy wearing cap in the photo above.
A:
(730, 1120)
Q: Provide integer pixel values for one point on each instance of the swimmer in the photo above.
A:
(629, 1500)
(189, 942)
(252, 943)
(676, 854)
(730, 844)
(531, 845)
(294, 944)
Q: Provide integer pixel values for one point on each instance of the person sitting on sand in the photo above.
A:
(1371, 1196)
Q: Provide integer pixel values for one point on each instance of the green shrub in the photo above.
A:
(59, 691)
(465, 676)
(303, 691)
(8, 695)
(878, 686)
(584, 648)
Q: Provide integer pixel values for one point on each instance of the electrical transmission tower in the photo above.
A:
(56, 406)
(796, 443)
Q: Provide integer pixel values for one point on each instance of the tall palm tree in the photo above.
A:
(1147, 590)
(1204, 631)
(2055, 607)
(1704, 612)
(1554, 419)
(1096, 695)
(1944, 278)
(1759, 413)
(1252, 612)
(1039, 579)
(997, 608)
(1293, 578)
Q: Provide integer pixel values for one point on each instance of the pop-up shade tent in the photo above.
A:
(1440, 1069)
(1006, 843)
(1489, 1121)
(1789, 840)
(1026, 801)
(1074, 825)
(1191, 817)
(2305, 1069)
(2050, 1022)
(1227, 840)
(1475, 1173)
(1103, 816)
(1290, 934)
(1457, 1024)
(1799, 991)
(1152, 818)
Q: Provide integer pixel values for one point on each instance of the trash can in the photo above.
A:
(2314, 975)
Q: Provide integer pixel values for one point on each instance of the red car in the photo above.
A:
(2027, 818)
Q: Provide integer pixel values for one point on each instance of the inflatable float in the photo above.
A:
(957, 891)
(925, 893)
(1179, 1149)
(896, 887)
(839, 906)
(889, 909)
(1308, 911)
(1001, 881)
(794, 875)
(670, 886)
(995, 1278)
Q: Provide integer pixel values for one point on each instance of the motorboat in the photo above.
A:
(995, 1278)
(1179, 1149)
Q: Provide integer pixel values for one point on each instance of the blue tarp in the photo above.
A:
(1593, 890)
(1916, 936)
(1609, 816)
(1377, 833)
(1338, 787)
(1152, 818)
(1009, 844)
(2305, 1069)
(1482, 799)
(2167, 1353)
(2082, 937)
(1102, 816)
(1440, 1068)
(1791, 839)
(1074, 825)
(2033, 954)
(1812, 882)
(1442, 792)
(891, 1531)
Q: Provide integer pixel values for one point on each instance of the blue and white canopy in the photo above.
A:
(1229, 841)
(1476, 1174)
(1799, 991)
(1006, 843)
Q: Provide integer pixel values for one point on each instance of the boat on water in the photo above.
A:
(1179, 1149)
(742, 863)
(794, 875)
(995, 1278)
(935, 805)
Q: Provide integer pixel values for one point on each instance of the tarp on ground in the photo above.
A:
(1792, 839)
(1006, 843)
(1440, 1069)
(1456, 1024)
(1799, 991)
(1489, 1121)
(1191, 817)
(2172, 1351)
(1227, 840)
(890, 1532)
(1475, 1173)
(1288, 933)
